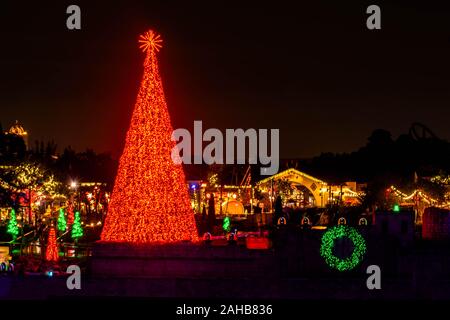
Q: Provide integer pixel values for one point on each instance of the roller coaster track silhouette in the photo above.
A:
(419, 131)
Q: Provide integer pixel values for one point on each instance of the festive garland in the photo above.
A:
(328, 242)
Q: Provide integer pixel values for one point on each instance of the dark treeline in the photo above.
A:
(383, 158)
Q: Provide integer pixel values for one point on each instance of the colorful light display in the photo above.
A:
(51, 252)
(327, 248)
(150, 202)
(13, 229)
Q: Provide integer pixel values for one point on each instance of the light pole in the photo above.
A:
(74, 186)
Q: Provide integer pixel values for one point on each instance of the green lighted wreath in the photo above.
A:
(328, 241)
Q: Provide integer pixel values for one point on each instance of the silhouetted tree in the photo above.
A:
(12, 149)
(211, 213)
(278, 212)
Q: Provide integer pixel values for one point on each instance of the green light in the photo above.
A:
(77, 229)
(62, 225)
(226, 224)
(396, 208)
(13, 229)
(328, 242)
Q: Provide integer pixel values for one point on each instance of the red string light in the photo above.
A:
(51, 252)
(150, 201)
(70, 214)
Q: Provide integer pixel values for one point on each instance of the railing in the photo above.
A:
(62, 235)
(69, 250)
(72, 250)
(24, 235)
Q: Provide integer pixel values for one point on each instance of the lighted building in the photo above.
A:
(228, 199)
(297, 189)
(18, 130)
(303, 190)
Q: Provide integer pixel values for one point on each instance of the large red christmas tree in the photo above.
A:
(150, 201)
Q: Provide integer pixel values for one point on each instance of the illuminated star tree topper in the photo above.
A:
(150, 40)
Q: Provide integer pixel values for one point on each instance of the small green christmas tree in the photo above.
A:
(62, 225)
(226, 226)
(13, 229)
(77, 229)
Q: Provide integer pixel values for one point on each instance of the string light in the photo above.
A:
(70, 214)
(77, 229)
(404, 196)
(150, 201)
(328, 242)
(51, 252)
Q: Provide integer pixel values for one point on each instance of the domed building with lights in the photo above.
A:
(18, 130)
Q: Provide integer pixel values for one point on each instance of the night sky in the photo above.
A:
(312, 70)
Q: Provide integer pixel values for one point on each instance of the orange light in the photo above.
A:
(318, 228)
(150, 40)
(51, 252)
(70, 214)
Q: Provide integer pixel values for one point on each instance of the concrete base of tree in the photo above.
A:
(179, 260)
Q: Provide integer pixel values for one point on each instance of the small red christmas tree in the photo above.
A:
(70, 214)
(150, 201)
(51, 253)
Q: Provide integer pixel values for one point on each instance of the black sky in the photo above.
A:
(312, 70)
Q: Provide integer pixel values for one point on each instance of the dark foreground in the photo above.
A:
(293, 269)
